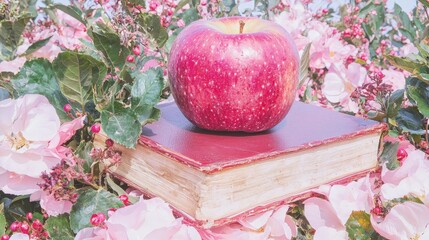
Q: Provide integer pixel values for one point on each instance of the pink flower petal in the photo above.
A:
(324, 233)
(66, 131)
(257, 221)
(12, 183)
(54, 207)
(186, 233)
(41, 122)
(404, 221)
(282, 225)
(355, 196)
(19, 236)
(320, 213)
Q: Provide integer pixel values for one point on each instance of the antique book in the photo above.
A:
(213, 178)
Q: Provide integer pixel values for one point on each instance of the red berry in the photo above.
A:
(29, 216)
(130, 58)
(377, 210)
(95, 128)
(136, 51)
(45, 234)
(15, 226)
(401, 154)
(37, 225)
(5, 237)
(124, 199)
(109, 142)
(67, 108)
(153, 6)
(97, 219)
(25, 228)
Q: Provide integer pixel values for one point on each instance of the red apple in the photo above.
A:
(234, 74)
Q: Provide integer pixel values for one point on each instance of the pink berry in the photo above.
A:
(124, 199)
(95, 128)
(25, 228)
(67, 108)
(97, 219)
(130, 58)
(29, 216)
(136, 50)
(401, 154)
(37, 225)
(377, 210)
(109, 142)
(153, 6)
(5, 237)
(15, 226)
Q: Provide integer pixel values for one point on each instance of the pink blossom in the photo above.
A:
(274, 224)
(410, 178)
(340, 82)
(328, 217)
(294, 19)
(408, 49)
(395, 78)
(333, 51)
(12, 66)
(52, 206)
(323, 218)
(408, 220)
(27, 125)
(147, 219)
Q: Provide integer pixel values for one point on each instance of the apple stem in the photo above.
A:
(242, 26)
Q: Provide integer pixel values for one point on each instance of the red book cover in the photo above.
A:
(305, 126)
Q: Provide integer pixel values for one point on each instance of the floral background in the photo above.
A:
(69, 71)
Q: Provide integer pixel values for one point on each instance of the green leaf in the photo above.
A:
(37, 77)
(410, 120)
(91, 201)
(151, 24)
(389, 155)
(3, 223)
(423, 77)
(403, 63)
(115, 187)
(147, 88)
(11, 36)
(190, 15)
(421, 96)
(83, 151)
(145, 94)
(407, 33)
(423, 49)
(304, 64)
(59, 228)
(110, 45)
(79, 75)
(366, 9)
(121, 125)
(73, 11)
(35, 46)
(359, 226)
(181, 4)
(395, 102)
(424, 2)
(171, 39)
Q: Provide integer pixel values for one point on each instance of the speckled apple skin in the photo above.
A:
(230, 81)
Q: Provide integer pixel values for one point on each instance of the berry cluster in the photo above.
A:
(33, 227)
